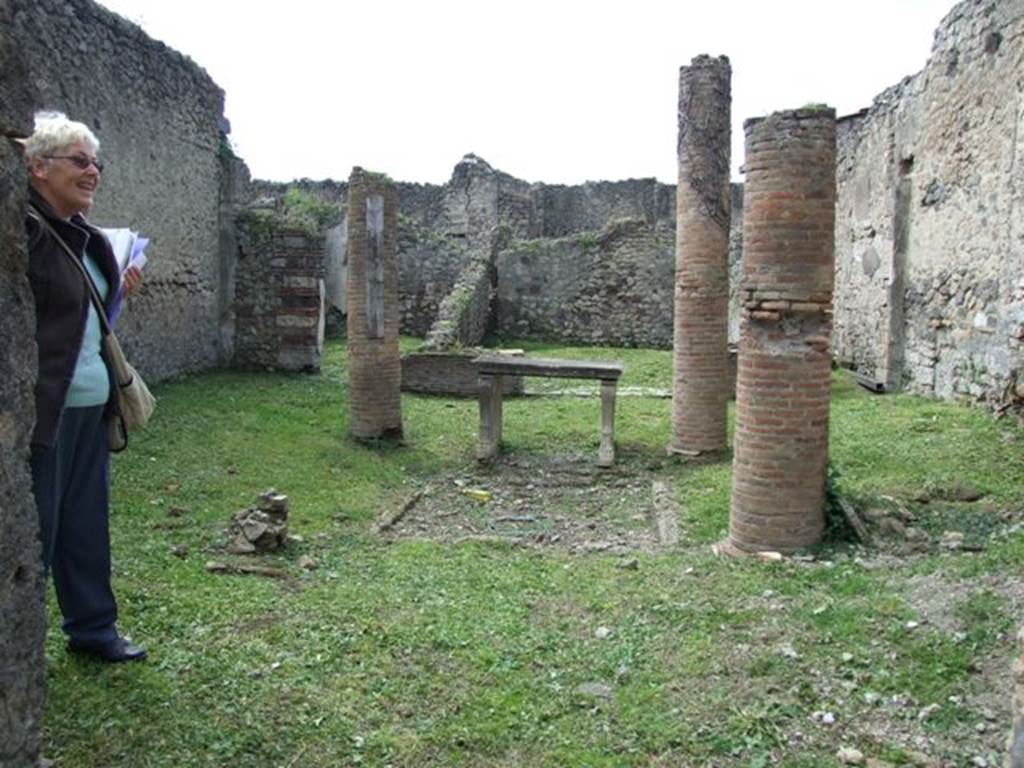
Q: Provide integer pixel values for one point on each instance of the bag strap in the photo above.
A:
(93, 293)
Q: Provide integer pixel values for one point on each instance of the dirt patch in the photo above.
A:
(564, 502)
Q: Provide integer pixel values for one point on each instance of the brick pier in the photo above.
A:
(701, 322)
(375, 369)
(279, 307)
(783, 382)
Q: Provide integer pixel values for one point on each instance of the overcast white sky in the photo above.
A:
(561, 91)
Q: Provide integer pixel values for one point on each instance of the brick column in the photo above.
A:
(298, 270)
(279, 307)
(783, 382)
(701, 321)
(372, 298)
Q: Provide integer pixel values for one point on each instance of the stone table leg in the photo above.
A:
(489, 390)
(606, 453)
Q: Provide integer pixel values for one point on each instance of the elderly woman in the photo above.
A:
(70, 460)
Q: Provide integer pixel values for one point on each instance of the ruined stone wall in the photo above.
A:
(929, 237)
(444, 229)
(432, 253)
(234, 186)
(159, 119)
(610, 287)
(23, 622)
(464, 316)
(565, 210)
(735, 258)
(279, 295)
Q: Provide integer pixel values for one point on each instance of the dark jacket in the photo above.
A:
(62, 301)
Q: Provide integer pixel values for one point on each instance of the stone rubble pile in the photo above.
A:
(262, 528)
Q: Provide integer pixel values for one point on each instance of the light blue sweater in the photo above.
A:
(90, 384)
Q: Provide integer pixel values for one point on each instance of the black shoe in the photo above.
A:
(113, 652)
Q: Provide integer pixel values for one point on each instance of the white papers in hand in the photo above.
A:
(122, 241)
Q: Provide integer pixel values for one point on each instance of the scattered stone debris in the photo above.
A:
(394, 518)
(854, 520)
(966, 493)
(946, 520)
(666, 513)
(952, 540)
(263, 528)
(594, 690)
(307, 563)
(251, 570)
(180, 551)
(850, 756)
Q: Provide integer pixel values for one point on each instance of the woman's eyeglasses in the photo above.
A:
(81, 162)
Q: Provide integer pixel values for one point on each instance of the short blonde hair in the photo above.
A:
(54, 132)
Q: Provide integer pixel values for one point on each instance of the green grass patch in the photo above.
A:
(421, 652)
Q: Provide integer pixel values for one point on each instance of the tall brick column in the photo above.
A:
(374, 363)
(701, 321)
(22, 610)
(783, 382)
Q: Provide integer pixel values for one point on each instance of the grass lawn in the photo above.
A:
(419, 651)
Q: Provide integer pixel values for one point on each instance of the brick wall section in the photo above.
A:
(374, 363)
(279, 288)
(703, 197)
(783, 382)
(22, 612)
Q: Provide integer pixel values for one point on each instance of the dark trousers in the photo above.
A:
(71, 482)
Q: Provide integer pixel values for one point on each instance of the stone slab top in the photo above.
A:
(547, 366)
